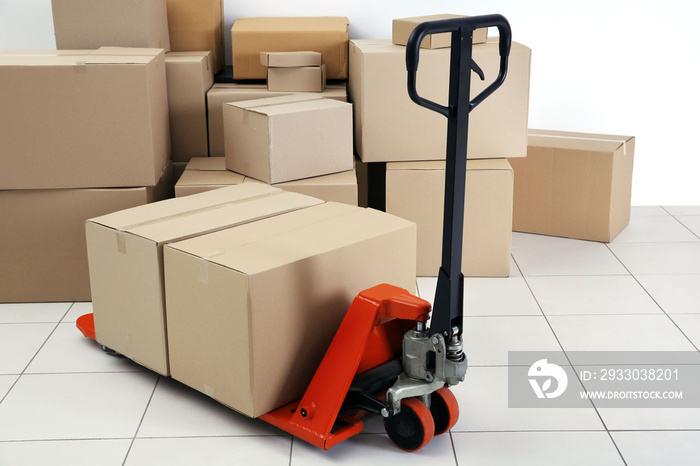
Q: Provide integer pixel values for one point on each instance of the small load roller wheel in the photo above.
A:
(413, 427)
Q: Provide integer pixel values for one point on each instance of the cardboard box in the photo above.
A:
(415, 191)
(106, 125)
(288, 138)
(298, 79)
(252, 309)
(197, 25)
(574, 185)
(207, 173)
(81, 24)
(389, 127)
(43, 256)
(326, 35)
(402, 28)
(125, 251)
(190, 75)
(290, 59)
(220, 94)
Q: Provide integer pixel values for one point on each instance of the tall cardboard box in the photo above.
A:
(81, 24)
(125, 251)
(43, 255)
(207, 173)
(190, 76)
(221, 93)
(390, 127)
(575, 185)
(288, 138)
(85, 119)
(197, 25)
(416, 190)
(327, 35)
(252, 309)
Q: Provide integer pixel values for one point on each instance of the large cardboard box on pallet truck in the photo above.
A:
(207, 173)
(125, 251)
(575, 185)
(222, 93)
(43, 255)
(83, 119)
(389, 127)
(415, 191)
(251, 310)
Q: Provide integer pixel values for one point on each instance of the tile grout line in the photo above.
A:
(556, 337)
(654, 300)
(143, 416)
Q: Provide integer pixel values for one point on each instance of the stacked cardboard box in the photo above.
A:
(398, 136)
(294, 71)
(104, 145)
(208, 173)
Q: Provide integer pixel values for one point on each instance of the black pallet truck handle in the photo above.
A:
(448, 305)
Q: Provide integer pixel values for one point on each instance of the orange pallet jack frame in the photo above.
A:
(384, 359)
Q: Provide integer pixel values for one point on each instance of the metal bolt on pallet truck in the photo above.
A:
(384, 358)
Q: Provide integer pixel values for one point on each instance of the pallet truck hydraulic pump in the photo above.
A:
(385, 358)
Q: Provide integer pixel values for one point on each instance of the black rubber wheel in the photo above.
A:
(413, 427)
(445, 410)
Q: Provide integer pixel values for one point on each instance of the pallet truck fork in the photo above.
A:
(384, 358)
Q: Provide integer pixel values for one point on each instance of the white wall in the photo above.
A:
(608, 66)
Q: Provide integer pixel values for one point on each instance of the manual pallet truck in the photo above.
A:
(384, 359)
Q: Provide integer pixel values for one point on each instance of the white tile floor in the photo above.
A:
(65, 402)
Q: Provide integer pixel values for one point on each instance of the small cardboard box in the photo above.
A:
(416, 190)
(125, 251)
(574, 185)
(85, 119)
(252, 309)
(402, 28)
(81, 24)
(297, 79)
(290, 59)
(197, 25)
(190, 75)
(288, 138)
(220, 94)
(207, 173)
(326, 35)
(390, 127)
(43, 255)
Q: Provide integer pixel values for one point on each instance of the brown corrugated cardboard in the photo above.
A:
(327, 35)
(575, 185)
(90, 119)
(207, 173)
(402, 28)
(252, 309)
(297, 79)
(125, 259)
(290, 59)
(415, 191)
(80, 24)
(288, 138)
(390, 127)
(43, 256)
(190, 75)
(220, 94)
(197, 25)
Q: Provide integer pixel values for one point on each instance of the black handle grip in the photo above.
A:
(456, 26)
